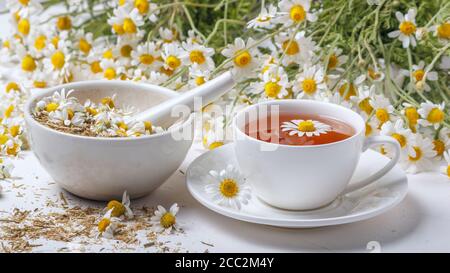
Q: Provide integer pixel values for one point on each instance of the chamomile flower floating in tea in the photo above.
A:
(165, 221)
(65, 113)
(119, 209)
(305, 127)
(107, 225)
(228, 188)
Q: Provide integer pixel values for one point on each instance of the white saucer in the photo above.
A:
(363, 204)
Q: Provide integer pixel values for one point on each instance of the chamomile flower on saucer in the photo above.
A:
(107, 225)
(307, 128)
(310, 82)
(265, 19)
(446, 168)
(431, 114)
(407, 28)
(199, 55)
(383, 108)
(295, 12)
(119, 209)
(243, 57)
(6, 168)
(165, 221)
(228, 188)
(420, 156)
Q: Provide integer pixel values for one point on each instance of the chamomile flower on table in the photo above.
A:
(107, 225)
(446, 168)
(199, 55)
(363, 99)
(420, 76)
(228, 187)
(298, 49)
(265, 19)
(431, 114)
(119, 209)
(295, 11)
(398, 131)
(420, 156)
(310, 82)
(164, 221)
(243, 57)
(307, 128)
(407, 28)
(383, 109)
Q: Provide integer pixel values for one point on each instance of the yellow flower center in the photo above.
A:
(167, 71)
(148, 126)
(243, 58)
(196, 56)
(40, 84)
(346, 91)
(229, 188)
(173, 62)
(13, 151)
(117, 208)
(443, 31)
(368, 129)
(125, 51)
(306, 126)
(52, 106)
(118, 29)
(91, 111)
(122, 2)
(129, 26)
(23, 26)
(309, 86)
(142, 6)
(439, 147)
(290, 47)
(58, 59)
(167, 220)
(373, 74)
(95, 67)
(55, 41)
(108, 54)
(12, 86)
(24, 2)
(6, 44)
(272, 89)
(84, 45)
(199, 80)
(110, 73)
(146, 59)
(28, 63)
(3, 139)
(40, 42)
(448, 170)
(9, 111)
(332, 61)
(436, 115)
(70, 114)
(365, 106)
(64, 23)
(418, 154)
(108, 101)
(215, 144)
(297, 13)
(16, 16)
(14, 130)
(400, 138)
(103, 224)
(407, 27)
(418, 74)
(412, 116)
(382, 115)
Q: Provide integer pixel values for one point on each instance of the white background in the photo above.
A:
(420, 223)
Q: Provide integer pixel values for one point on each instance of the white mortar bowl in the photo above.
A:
(101, 168)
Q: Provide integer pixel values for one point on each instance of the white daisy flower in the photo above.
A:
(310, 82)
(66, 115)
(307, 128)
(398, 131)
(198, 76)
(111, 69)
(119, 209)
(295, 12)
(228, 188)
(6, 167)
(172, 56)
(442, 31)
(58, 59)
(409, 111)
(146, 56)
(298, 50)
(147, 9)
(274, 84)
(336, 60)
(265, 19)
(125, 21)
(441, 143)
(407, 28)
(431, 114)
(243, 57)
(165, 221)
(107, 225)
(157, 77)
(31, 6)
(383, 108)
(420, 155)
(84, 41)
(215, 137)
(199, 55)
(168, 35)
(419, 78)
(446, 168)
(362, 100)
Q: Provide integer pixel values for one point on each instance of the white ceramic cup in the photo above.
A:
(305, 177)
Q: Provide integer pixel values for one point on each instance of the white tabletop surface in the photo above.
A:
(420, 223)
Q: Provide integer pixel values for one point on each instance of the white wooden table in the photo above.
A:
(420, 223)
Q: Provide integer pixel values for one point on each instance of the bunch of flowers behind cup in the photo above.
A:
(287, 62)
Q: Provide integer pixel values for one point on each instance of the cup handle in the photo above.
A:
(370, 142)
